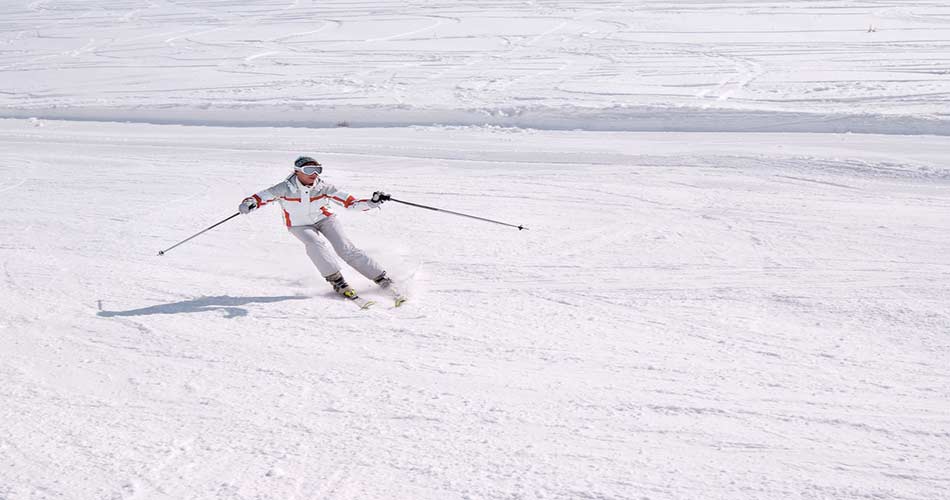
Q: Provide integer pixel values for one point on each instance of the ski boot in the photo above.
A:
(386, 283)
(341, 287)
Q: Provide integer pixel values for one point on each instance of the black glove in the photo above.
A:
(379, 197)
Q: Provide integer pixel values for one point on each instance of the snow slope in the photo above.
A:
(702, 314)
(688, 316)
(878, 66)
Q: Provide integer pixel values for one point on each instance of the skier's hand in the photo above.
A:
(247, 205)
(379, 197)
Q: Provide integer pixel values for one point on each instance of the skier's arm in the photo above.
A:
(258, 200)
(349, 201)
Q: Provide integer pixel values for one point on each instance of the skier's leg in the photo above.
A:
(358, 259)
(353, 256)
(317, 249)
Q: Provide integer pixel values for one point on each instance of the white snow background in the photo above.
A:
(735, 283)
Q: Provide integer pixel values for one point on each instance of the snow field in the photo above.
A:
(688, 316)
(699, 314)
(874, 66)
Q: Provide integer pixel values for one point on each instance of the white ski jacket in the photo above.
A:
(305, 205)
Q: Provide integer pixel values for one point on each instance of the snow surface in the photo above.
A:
(690, 315)
(877, 66)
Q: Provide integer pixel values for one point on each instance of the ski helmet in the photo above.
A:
(308, 165)
(304, 161)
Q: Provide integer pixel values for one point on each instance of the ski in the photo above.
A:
(399, 298)
(361, 302)
(387, 284)
(351, 295)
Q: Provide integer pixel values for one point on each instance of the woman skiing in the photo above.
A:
(304, 198)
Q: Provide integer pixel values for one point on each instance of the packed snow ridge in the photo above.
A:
(831, 66)
(619, 118)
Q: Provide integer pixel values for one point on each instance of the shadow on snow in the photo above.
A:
(224, 303)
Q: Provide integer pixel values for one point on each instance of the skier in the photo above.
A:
(304, 198)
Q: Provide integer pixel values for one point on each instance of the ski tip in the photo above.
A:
(161, 252)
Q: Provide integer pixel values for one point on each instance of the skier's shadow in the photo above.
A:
(224, 303)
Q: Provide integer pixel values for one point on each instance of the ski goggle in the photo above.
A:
(310, 169)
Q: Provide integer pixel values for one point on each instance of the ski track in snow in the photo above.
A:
(876, 66)
(688, 316)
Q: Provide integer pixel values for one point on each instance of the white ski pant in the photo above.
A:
(321, 254)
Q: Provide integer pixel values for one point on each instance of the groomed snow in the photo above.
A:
(701, 314)
(688, 316)
(875, 66)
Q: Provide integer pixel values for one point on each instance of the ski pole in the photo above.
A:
(456, 213)
(162, 252)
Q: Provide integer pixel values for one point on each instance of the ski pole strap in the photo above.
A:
(520, 227)
(162, 252)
